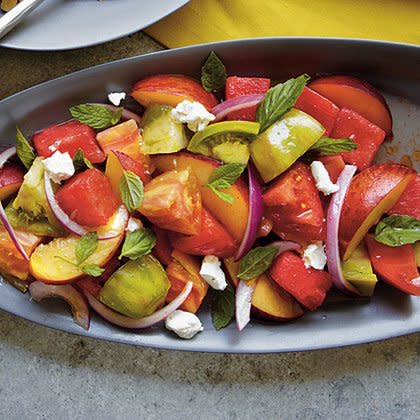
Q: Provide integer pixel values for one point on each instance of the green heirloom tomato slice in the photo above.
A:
(231, 134)
(136, 289)
(161, 133)
(277, 148)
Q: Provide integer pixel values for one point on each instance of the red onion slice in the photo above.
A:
(71, 225)
(70, 294)
(284, 246)
(126, 322)
(6, 154)
(254, 215)
(235, 104)
(243, 299)
(333, 224)
(126, 113)
(12, 233)
(4, 157)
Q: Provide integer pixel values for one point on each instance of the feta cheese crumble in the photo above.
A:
(184, 324)
(116, 97)
(314, 256)
(59, 166)
(212, 272)
(194, 114)
(322, 178)
(133, 224)
(415, 281)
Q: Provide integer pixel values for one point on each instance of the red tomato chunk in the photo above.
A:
(293, 204)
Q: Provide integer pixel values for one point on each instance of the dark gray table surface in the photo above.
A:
(53, 375)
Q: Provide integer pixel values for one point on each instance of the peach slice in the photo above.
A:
(11, 178)
(358, 95)
(371, 194)
(268, 301)
(124, 137)
(11, 261)
(184, 268)
(233, 216)
(171, 89)
(116, 163)
(55, 262)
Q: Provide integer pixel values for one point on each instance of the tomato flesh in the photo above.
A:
(307, 285)
(184, 268)
(68, 137)
(213, 239)
(294, 207)
(88, 198)
(163, 248)
(172, 201)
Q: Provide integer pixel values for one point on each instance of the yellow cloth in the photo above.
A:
(214, 20)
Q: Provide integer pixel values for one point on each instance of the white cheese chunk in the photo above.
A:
(314, 256)
(184, 324)
(322, 178)
(212, 272)
(133, 224)
(59, 166)
(116, 97)
(192, 113)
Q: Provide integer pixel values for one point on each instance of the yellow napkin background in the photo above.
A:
(214, 20)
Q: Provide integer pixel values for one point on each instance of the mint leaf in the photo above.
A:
(223, 307)
(138, 243)
(96, 116)
(93, 270)
(131, 190)
(397, 230)
(256, 262)
(224, 177)
(24, 150)
(222, 195)
(278, 100)
(80, 162)
(326, 146)
(86, 246)
(213, 73)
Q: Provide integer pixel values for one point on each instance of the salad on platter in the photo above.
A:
(258, 197)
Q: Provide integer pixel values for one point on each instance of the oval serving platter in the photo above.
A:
(393, 68)
(63, 25)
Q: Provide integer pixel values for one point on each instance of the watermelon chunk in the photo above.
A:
(368, 136)
(318, 107)
(334, 165)
(240, 86)
(409, 202)
(307, 285)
